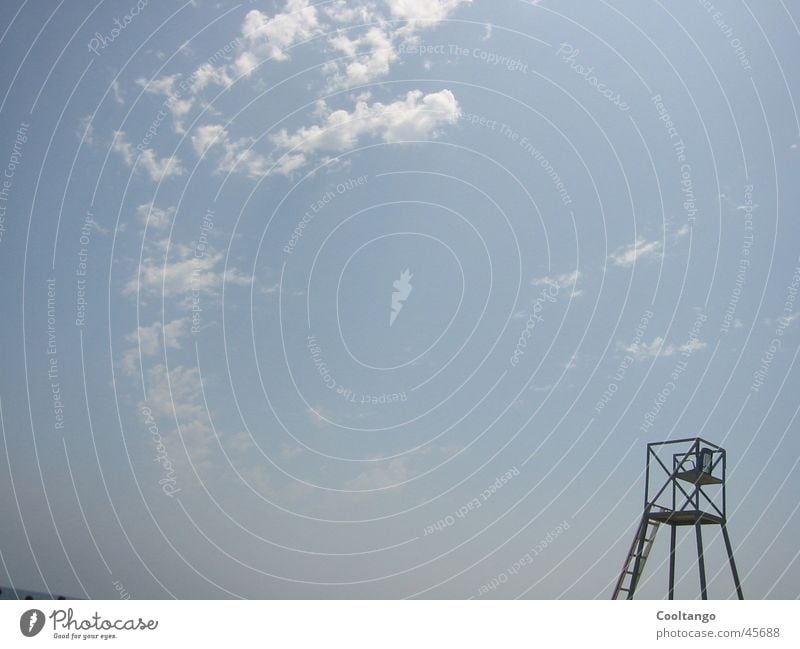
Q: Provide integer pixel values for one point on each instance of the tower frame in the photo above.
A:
(685, 485)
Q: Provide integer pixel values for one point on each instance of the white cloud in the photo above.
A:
(157, 168)
(206, 136)
(628, 255)
(346, 11)
(656, 348)
(426, 13)
(271, 37)
(155, 217)
(86, 129)
(234, 155)
(563, 281)
(208, 74)
(175, 101)
(115, 88)
(371, 56)
(177, 395)
(566, 280)
(416, 117)
(261, 37)
(152, 339)
(186, 272)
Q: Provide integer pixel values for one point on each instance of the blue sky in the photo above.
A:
(386, 298)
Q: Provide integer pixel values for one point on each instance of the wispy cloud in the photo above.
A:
(185, 272)
(656, 348)
(157, 168)
(424, 13)
(369, 56)
(563, 281)
(271, 37)
(152, 340)
(233, 155)
(116, 89)
(641, 248)
(155, 217)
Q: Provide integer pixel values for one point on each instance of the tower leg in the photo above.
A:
(672, 561)
(639, 548)
(732, 562)
(701, 562)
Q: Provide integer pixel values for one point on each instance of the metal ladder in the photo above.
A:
(626, 582)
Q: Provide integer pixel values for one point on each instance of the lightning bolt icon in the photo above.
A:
(402, 289)
(32, 620)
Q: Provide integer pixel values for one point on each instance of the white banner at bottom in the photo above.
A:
(398, 624)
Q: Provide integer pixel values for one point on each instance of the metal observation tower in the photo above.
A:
(691, 492)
